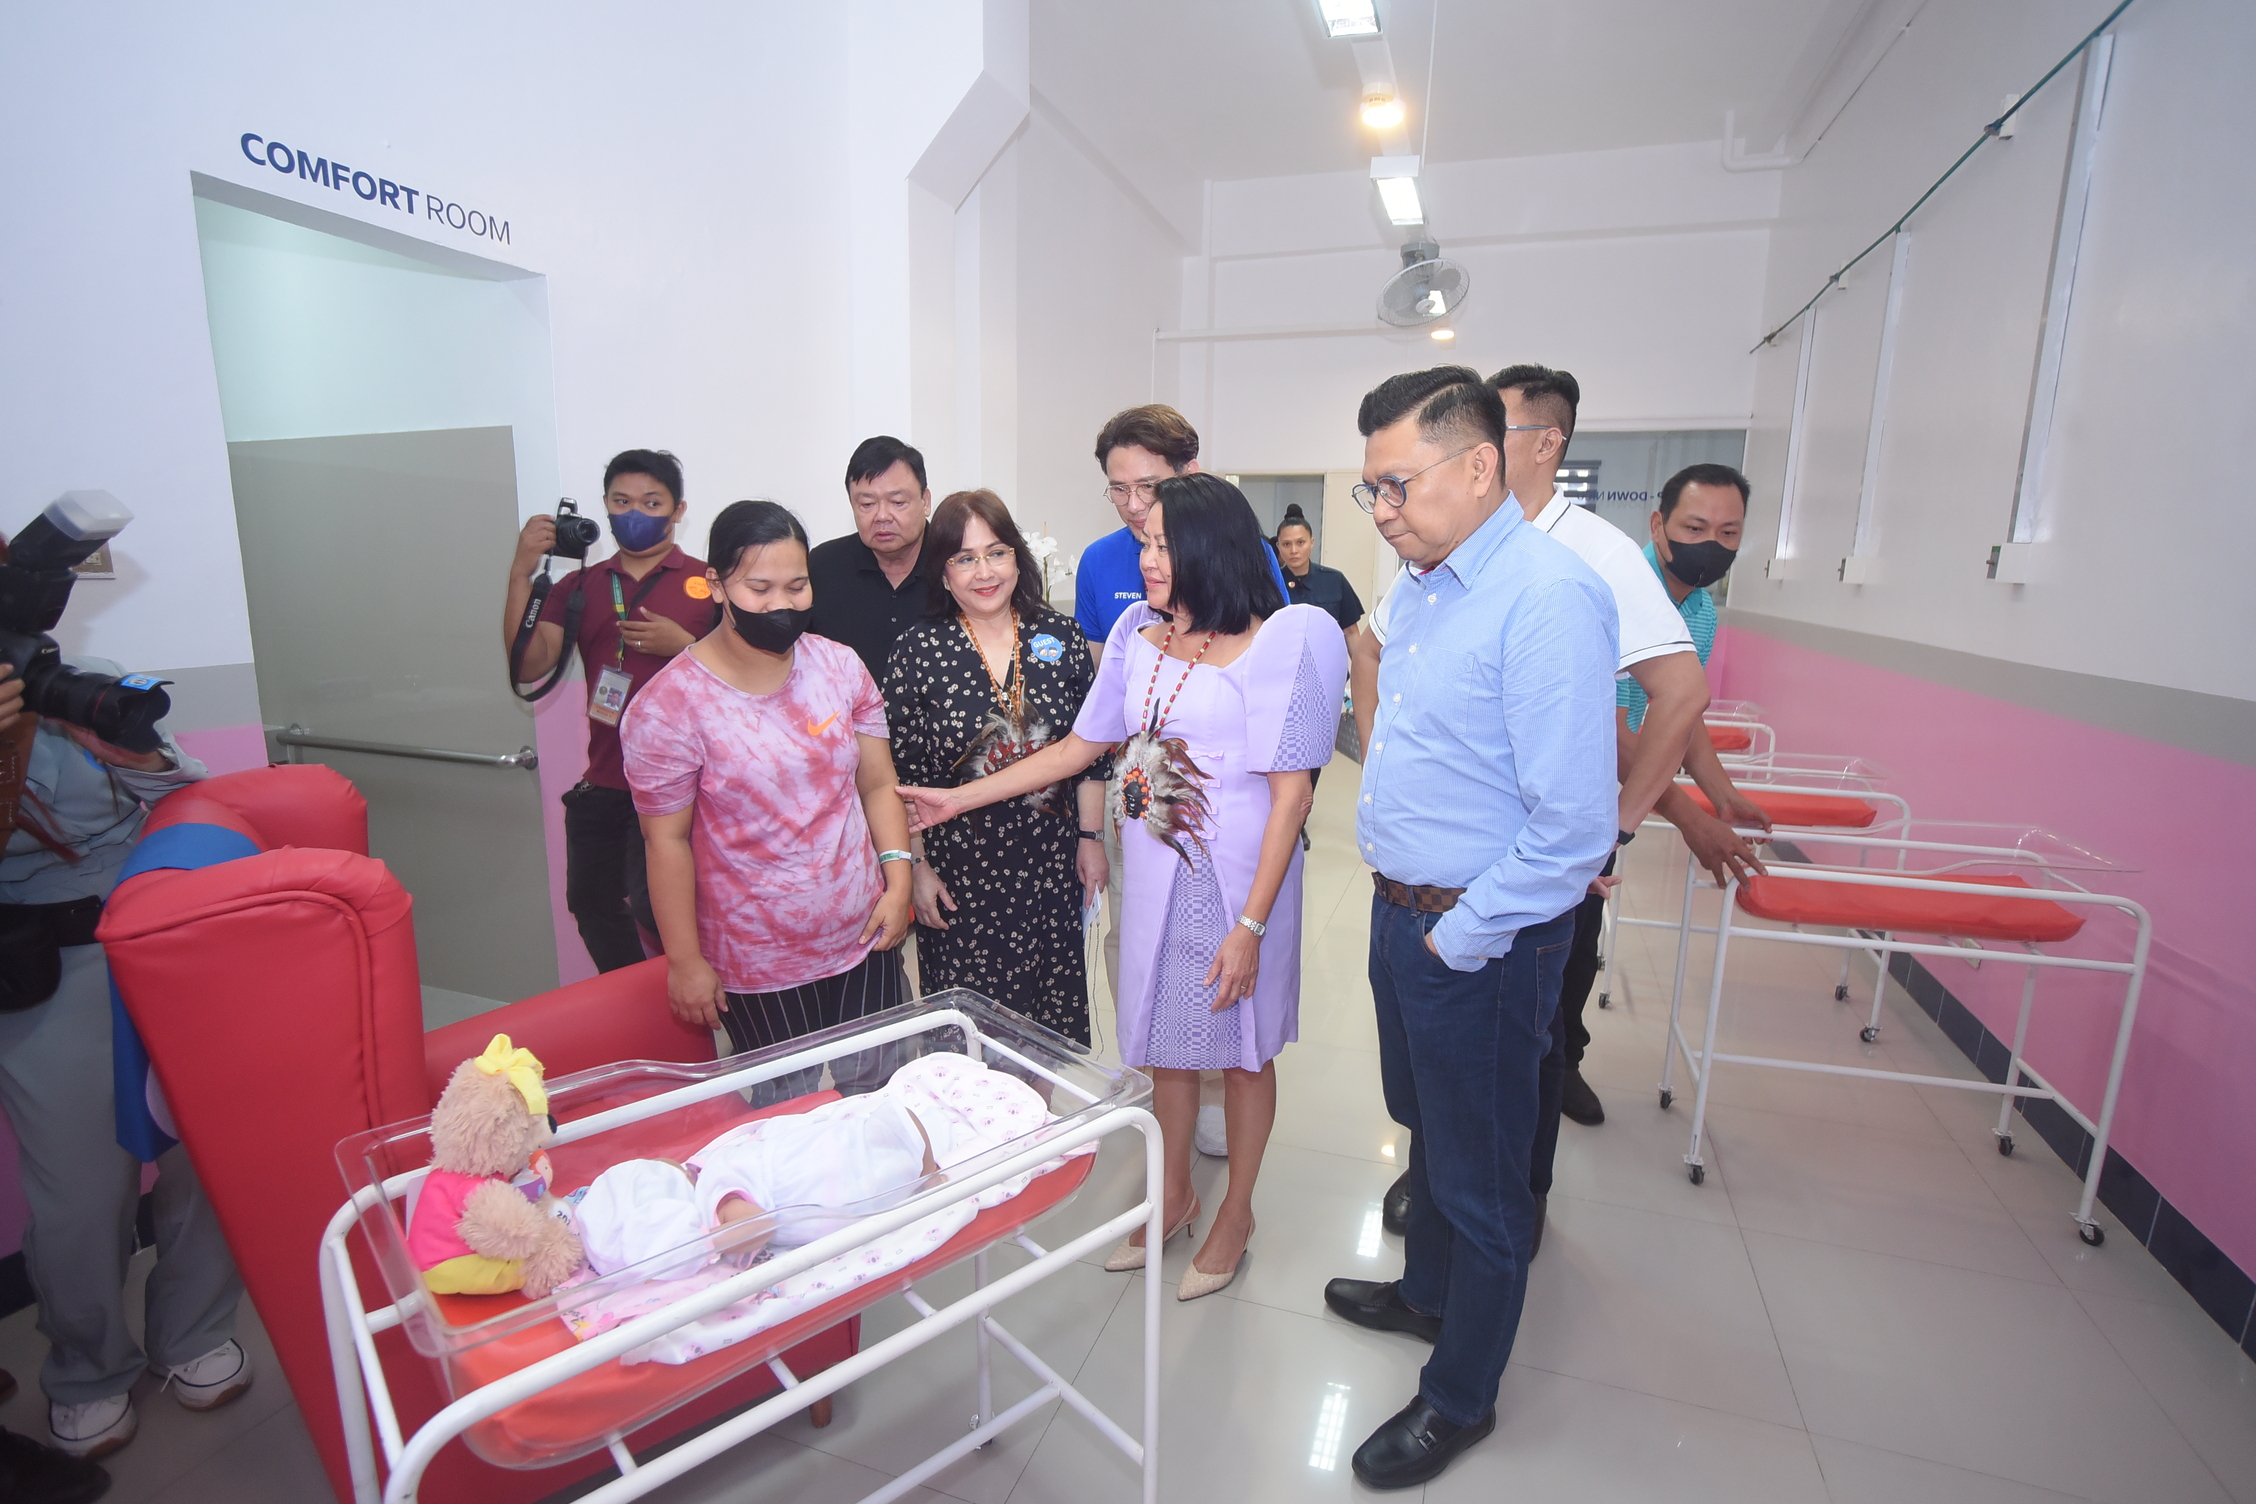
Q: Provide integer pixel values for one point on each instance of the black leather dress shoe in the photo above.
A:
(1415, 1446)
(1380, 1307)
(1578, 1103)
(1394, 1210)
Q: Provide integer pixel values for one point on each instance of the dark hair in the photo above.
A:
(1219, 563)
(658, 464)
(1158, 428)
(1554, 395)
(873, 457)
(1704, 475)
(943, 538)
(1446, 399)
(745, 525)
(1294, 517)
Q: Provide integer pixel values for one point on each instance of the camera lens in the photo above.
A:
(123, 712)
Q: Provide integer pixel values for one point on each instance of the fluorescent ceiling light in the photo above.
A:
(1445, 333)
(1400, 195)
(1382, 112)
(1349, 18)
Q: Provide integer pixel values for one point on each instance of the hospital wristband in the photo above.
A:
(895, 856)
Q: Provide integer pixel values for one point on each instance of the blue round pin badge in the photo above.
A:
(1046, 647)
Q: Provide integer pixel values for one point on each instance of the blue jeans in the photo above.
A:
(1459, 1054)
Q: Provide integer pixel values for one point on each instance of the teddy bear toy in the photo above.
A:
(485, 1223)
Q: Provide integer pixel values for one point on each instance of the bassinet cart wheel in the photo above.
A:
(1698, 1173)
(2092, 1233)
(1667, 1097)
(2005, 1145)
(1868, 1034)
(1841, 993)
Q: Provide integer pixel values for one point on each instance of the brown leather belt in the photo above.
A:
(1424, 900)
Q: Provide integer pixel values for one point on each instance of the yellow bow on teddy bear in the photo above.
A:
(522, 1068)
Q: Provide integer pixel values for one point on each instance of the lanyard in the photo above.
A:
(620, 606)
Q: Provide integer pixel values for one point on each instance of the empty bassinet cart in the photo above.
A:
(526, 1392)
(1986, 894)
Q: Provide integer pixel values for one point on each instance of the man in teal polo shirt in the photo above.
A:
(1702, 510)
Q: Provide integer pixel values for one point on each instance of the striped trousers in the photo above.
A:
(757, 1020)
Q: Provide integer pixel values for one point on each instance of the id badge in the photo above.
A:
(609, 700)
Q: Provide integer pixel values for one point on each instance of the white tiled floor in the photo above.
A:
(1863, 1304)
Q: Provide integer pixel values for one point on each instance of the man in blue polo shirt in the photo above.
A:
(1137, 449)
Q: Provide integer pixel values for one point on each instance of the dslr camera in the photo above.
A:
(35, 585)
(575, 534)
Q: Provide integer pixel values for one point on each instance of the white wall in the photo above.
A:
(1098, 274)
(680, 180)
(2147, 474)
(1639, 270)
(314, 335)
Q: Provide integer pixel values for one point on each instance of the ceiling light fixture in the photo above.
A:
(1349, 18)
(1397, 178)
(1445, 333)
(1382, 112)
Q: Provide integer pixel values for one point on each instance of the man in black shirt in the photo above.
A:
(869, 585)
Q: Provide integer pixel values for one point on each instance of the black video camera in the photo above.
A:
(35, 585)
(575, 534)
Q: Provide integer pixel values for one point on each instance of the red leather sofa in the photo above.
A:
(281, 1005)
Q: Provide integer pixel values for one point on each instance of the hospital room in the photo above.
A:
(960, 750)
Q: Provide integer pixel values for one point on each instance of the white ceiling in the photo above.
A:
(1173, 93)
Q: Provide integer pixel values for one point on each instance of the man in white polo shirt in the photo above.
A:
(1657, 653)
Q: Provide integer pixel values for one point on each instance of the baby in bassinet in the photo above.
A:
(816, 1171)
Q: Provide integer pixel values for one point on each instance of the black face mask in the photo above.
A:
(769, 631)
(1698, 564)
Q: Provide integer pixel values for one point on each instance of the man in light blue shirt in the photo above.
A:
(1488, 804)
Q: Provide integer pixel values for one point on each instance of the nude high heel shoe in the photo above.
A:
(1128, 1256)
(1197, 1282)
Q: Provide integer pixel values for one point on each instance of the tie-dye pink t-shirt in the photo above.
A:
(786, 872)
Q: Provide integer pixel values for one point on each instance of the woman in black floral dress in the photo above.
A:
(990, 675)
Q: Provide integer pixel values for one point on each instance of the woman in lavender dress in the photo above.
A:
(1221, 699)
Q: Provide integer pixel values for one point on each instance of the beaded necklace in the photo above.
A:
(1153, 723)
(1013, 702)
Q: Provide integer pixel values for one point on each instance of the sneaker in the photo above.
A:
(33, 1474)
(1212, 1137)
(94, 1429)
(211, 1381)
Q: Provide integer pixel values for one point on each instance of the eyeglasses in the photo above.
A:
(997, 557)
(1145, 491)
(1392, 489)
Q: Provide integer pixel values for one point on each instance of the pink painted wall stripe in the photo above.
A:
(2188, 1117)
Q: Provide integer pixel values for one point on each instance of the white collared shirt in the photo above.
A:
(1651, 626)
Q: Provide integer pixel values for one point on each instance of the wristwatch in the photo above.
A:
(1624, 837)
(1253, 924)
(1093, 835)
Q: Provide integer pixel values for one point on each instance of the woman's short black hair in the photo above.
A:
(943, 540)
(746, 525)
(1219, 563)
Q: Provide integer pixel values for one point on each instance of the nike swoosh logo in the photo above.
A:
(815, 730)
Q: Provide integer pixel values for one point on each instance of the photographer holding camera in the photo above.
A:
(627, 615)
(75, 801)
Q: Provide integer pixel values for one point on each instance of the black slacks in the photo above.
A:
(606, 881)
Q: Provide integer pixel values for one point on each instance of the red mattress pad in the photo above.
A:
(1913, 911)
(1808, 811)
